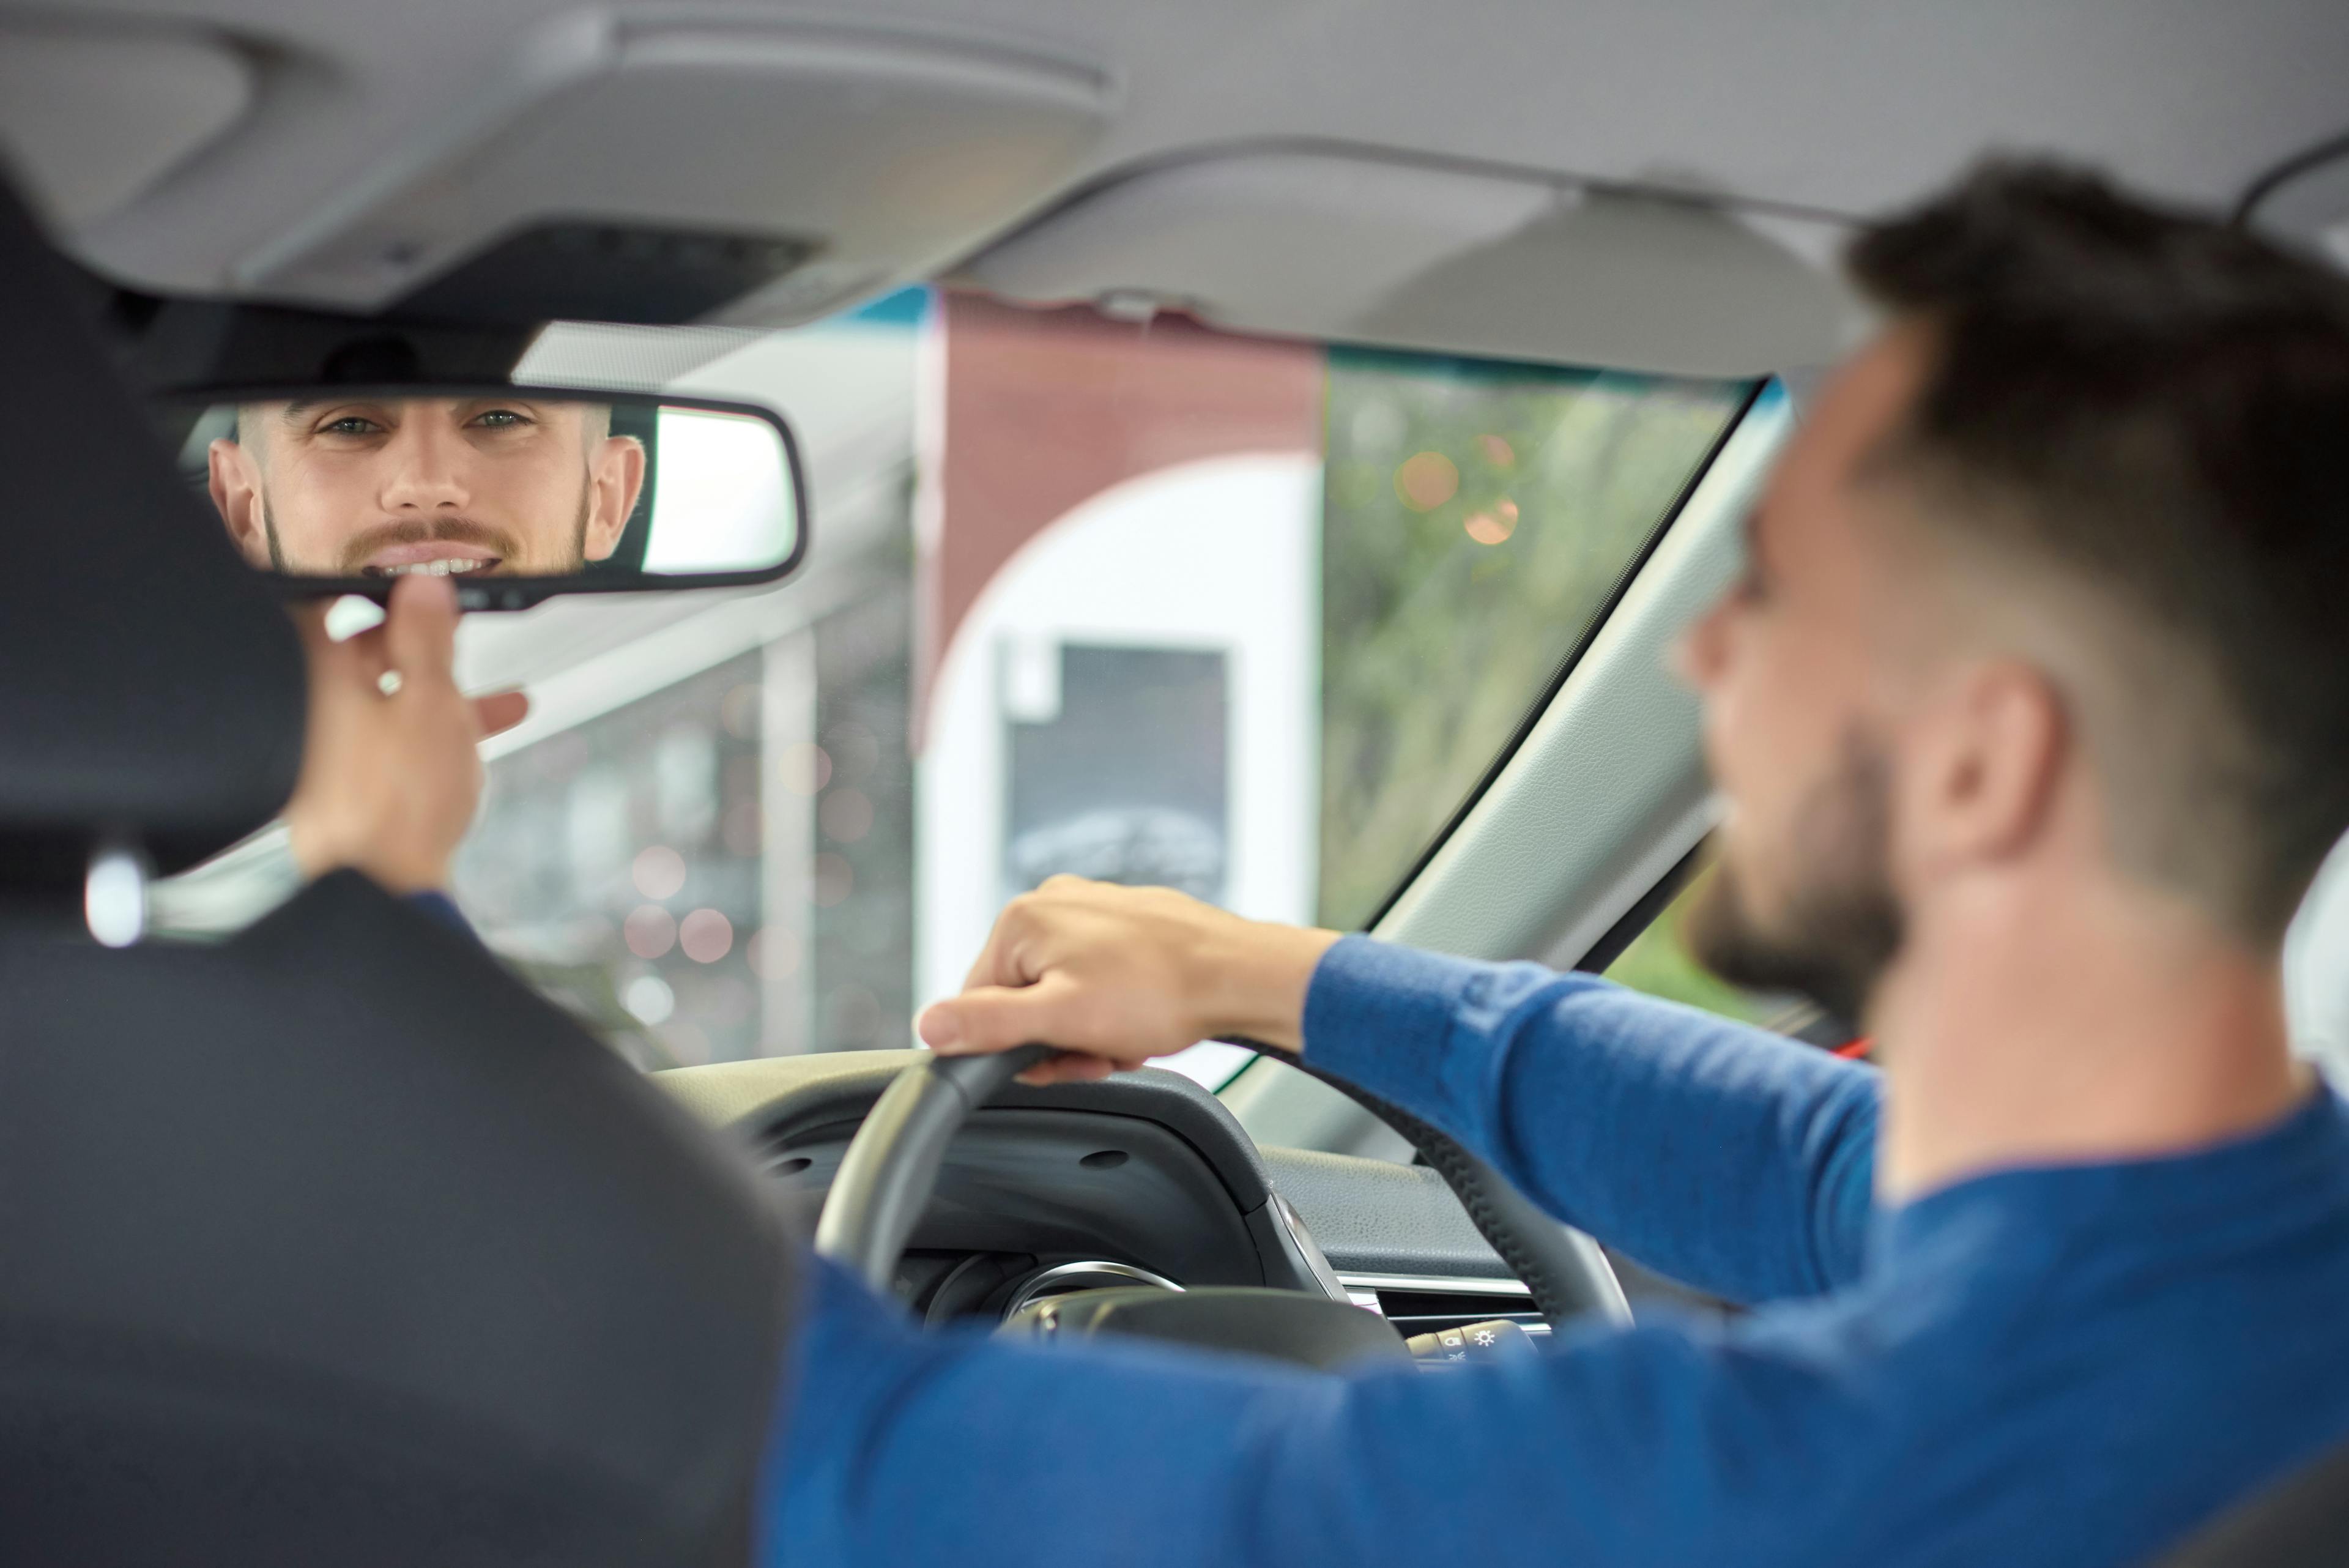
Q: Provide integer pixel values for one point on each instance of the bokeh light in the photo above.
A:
(706, 936)
(739, 711)
(649, 931)
(1495, 524)
(648, 999)
(659, 872)
(835, 879)
(1498, 451)
(1426, 481)
(803, 768)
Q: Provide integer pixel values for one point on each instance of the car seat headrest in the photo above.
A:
(154, 689)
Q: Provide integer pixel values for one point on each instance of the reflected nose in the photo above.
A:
(426, 469)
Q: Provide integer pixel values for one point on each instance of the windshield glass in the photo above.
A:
(1139, 601)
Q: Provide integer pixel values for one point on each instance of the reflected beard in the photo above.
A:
(1840, 925)
(462, 530)
(456, 530)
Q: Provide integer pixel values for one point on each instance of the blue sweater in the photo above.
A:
(2066, 1365)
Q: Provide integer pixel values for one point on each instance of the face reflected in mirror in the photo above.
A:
(386, 487)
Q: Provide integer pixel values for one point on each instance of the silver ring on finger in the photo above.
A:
(389, 683)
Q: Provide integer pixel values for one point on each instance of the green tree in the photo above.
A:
(1476, 518)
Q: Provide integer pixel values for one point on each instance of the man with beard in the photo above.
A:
(2030, 713)
(386, 487)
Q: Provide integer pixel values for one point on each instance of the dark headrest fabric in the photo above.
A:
(151, 686)
(336, 1244)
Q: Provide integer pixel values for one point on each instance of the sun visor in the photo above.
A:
(93, 115)
(1347, 245)
(663, 170)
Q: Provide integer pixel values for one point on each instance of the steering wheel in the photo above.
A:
(891, 1169)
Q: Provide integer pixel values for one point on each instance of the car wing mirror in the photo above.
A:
(519, 493)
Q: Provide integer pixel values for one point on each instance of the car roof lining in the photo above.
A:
(1741, 109)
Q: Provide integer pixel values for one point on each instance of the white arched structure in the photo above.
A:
(1221, 555)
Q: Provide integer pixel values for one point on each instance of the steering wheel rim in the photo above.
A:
(891, 1166)
(1566, 1271)
(891, 1169)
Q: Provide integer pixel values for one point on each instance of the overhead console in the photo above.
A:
(671, 170)
(1353, 244)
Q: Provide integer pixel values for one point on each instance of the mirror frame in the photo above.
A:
(520, 592)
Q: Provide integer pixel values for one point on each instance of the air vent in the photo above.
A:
(1421, 1304)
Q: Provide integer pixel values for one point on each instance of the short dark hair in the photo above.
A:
(2155, 404)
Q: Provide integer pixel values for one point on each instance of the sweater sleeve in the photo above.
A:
(1722, 1154)
(1651, 1446)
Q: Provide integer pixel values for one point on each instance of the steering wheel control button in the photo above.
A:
(1470, 1342)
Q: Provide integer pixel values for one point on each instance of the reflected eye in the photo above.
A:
(500, 419)
(351, 425)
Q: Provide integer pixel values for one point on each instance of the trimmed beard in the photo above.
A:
(575, 566)
(1839, 925)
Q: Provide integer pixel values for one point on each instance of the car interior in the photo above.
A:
(1262, 451)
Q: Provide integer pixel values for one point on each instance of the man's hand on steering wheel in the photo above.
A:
(1117, 975)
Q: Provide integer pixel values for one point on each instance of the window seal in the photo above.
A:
(1644, 912)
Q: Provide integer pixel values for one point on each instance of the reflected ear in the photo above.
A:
(235, 483)
(617, 476)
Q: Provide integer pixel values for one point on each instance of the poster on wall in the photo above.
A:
(1116, 758)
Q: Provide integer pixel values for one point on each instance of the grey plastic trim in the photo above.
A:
(668, 122)
(1448, 1284)
(1362, 1290)
(1306, 1252)
(1401, 248)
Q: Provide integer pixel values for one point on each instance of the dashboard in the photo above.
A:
(1144, 1178)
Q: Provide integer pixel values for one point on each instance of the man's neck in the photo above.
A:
(2025, 1027)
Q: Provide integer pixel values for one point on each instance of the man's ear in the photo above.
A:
(617, 476)
(235, 483)
(1988, 755)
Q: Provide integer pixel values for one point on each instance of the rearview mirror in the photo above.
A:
(521, 493)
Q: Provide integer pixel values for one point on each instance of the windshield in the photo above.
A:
(1139, 601)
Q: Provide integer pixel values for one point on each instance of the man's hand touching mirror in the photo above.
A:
(391, 771)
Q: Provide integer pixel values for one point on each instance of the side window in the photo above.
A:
(1658, 963)
(1476, 518)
